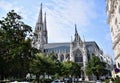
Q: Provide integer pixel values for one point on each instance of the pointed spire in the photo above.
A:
(77, 37)
(75, 29)
(40, 15)
(45, 25)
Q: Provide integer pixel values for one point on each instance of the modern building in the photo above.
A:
(77, 50)
(113, 12)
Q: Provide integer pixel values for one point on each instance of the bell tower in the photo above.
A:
(40, 37)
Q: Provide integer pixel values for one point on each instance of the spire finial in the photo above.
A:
(41, 5)
(75, 28)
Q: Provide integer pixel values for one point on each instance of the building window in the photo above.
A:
(119, 65)
(68, 57)
(88, 55)
(61, 58)
(56, 55)
(78, 58)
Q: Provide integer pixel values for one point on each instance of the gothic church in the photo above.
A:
(78, 51)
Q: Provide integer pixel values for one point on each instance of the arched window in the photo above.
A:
(61, 58)
(78, 58)
(119, 65)
(68, 57)
(56, 55)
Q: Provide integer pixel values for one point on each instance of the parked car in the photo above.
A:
(77, 79)
(58, 81)
(19, 82)
(98, 81)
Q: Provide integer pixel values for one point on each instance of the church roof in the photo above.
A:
(91, 43)
(56, 45)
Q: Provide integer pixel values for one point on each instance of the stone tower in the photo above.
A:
(78, 52)
(77, 49)
(40, 36)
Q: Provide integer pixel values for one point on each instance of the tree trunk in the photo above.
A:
(37, 78)
(97, 77)
(2, 75)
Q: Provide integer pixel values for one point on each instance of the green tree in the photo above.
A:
(42, 65)
(53, 56)
(96, 67)
(15, 46)
(71, 69)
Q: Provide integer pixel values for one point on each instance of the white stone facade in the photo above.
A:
(113, 12)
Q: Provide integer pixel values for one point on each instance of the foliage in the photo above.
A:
(71, 68)
(96, 67)
(15, 46)
(42, 65)
(53, 56)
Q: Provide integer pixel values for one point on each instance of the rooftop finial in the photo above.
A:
(75, 28)
(41, 5)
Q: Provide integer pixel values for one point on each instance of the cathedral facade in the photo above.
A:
(78, 50)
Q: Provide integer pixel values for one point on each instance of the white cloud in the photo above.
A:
(6, 6)
(63, 14)
(61, 17)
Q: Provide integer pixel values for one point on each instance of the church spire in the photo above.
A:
(40, 15)
(77, 37)
(45, 30)
(75, 29)
(45, 25)
(76, 33)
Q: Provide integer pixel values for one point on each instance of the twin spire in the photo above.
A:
(40, 21)
(40, 15)
(40, 18)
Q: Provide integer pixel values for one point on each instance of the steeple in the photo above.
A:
(41, 31)
(45, 25)
(77, 37)
(45, 30)
(75, 29)
(40, 15)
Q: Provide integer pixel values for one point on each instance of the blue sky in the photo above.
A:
(89, 16)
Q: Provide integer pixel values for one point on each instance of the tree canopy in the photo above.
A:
(96, 67)
(71, 69)
(15, 46)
